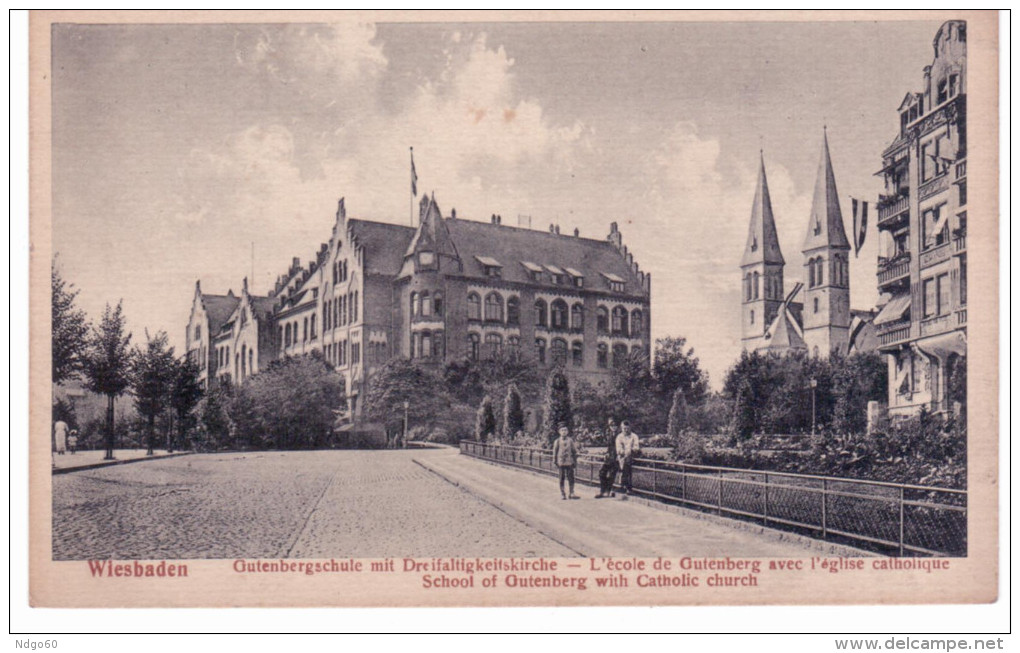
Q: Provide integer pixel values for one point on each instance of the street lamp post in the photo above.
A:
(403, 440)
(814, 387)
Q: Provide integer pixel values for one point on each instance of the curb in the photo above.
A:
(111, 463)
(812, 544)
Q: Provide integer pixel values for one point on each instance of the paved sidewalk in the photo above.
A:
(93, 459)
(614, 527)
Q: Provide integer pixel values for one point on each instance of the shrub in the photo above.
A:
(557, 405)
(513, 414)
(485, 421)
(677, 416)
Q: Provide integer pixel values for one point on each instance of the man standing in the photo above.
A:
(565, 456)
(628, 446)
(610, 464)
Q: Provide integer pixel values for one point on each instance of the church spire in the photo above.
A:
(762, 241)
(825, 228)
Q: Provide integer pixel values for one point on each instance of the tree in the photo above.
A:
(677, 416)
(485, 421)
(557, 405)
(185, 395)
(70, 330)
(401, 380)
(857, 379)
(513, 414)
(152, 378)
(743, 412)
(676, 368)
(107, 364)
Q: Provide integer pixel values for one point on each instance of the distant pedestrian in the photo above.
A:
(610, 464)
(628, 446)
(72, 440)
(565, 456)
(60, 436)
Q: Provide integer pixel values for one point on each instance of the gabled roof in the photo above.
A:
(825, 228)
(784, 334)
(219, 309)
(762, 239)
(384, 244)
(519, 248)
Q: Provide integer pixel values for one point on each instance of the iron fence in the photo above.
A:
(899, 519)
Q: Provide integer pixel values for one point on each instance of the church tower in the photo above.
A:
(826, 267)
(761, 268)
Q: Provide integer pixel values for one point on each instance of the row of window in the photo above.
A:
(339, 354)
(945, 89)
(339, 272)
(426, 304)
(557, 352)
(753, 281)
(340, 311)
(244, 361)
(428, 344)
(840, 272)
(294, 332)
(557, 315)
(937, 292)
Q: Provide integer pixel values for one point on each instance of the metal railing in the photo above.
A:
(892, 269)
(892, 207)
(894, 333)
(889, 517)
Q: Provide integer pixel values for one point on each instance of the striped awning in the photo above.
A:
(894, 310)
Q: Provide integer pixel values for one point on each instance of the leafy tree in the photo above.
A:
(633, 395)
(401, 380)
(557, 404)
(513, 414)
(70, 330)
(468, 381)
(676, 367)
(958, 383)
(743, 412)
(214, 420)
(677, 416)
(64, 411)
(857, 379)
(107, 365)
(291, 404)
(485, 421)
(152, 378)
(184, 397)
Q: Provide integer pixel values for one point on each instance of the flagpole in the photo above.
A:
(410, 209)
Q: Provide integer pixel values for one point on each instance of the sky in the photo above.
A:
(216, 152)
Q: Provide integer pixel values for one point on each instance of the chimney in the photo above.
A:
(453, 214)
(552, 228)
(295, 263)
(499, 219)
(557, 230)
(577, 232)
(492, 220)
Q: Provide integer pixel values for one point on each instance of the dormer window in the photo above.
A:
(534, 271)
(491, 266)
(576, 277)
(556, 274)
(426, 259)
(616, 283)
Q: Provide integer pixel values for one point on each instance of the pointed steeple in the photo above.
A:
(432, 233)
(762, 241)
(825, 229)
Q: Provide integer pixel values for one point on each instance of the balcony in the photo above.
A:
(961, 171)
(935, 255)
(959, 242)
(894, 333)
(891, 208)
(938, 324)
(893, 269)
(961, 317)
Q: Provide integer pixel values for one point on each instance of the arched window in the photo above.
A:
(437, 303)
(354, 308)
(493, 345)
(473, 341)
(281, 344)
(747, 287)
(577, 317)
(493, 307)
(559, 351)
(577, 353)
(415, 305)
(426, 344)
(637, 350)
(237, 366)
(540, 350)
(251, 361)
(286, 339)
(340, 310)
(619, 355)
(637, 323)
(559, 314)
(311, 327)
(811, 273)
(816, 304)
(619, 321)
(244, 361)
(474, 307)
(602, 319)
(541, 318)
(513, 310)
(757, 281)
(513, 343)
(752, 317)
(438, 345)
(603, 352)
(426, 304)
(819, 271)
(304, 330)
(816, 351)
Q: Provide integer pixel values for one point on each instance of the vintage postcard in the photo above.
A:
(513, 309)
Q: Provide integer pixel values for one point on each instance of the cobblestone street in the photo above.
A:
(273, 504)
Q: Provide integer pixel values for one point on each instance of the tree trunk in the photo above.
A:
(151, 434)
(109, 427)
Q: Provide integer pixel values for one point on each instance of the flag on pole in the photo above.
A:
(860, 209)
(414, 176)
